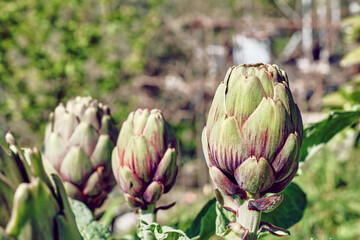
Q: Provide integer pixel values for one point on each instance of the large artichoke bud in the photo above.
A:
(78, 143)
(144, 160)
(253, 133)
(31, 206)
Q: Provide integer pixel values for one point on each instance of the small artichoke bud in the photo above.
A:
(253, 132)
(144, 160)
(78, 143)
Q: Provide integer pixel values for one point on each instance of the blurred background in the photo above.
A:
(172, 55)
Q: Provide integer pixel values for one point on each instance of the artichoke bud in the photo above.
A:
(253, 133)
(144, 160)
(78, 144)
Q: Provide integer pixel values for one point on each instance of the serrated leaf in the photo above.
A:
(290, 210)
(321, 132)
(167, 233)
(203, 226)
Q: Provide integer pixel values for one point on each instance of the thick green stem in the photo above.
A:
(249, 219)
(147, 217)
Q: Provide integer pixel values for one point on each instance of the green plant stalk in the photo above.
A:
(109, 213)
(147, 217)
(249, 219)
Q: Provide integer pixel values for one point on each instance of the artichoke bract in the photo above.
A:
(78, 143)
(253, 132)
(32, 207)
(145, 159)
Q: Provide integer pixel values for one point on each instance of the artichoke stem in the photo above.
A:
(249, 219)
(147, 217)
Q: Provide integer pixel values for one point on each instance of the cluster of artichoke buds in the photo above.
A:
(78, 143)
(144, 160)
(253, 136)
(31, 206)
(251, 144)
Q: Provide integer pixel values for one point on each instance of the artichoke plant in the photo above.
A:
(144, 160)
(78, 143)
(31, 206)
(253, 134)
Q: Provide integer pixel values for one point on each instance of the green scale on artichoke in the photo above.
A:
(78, 143)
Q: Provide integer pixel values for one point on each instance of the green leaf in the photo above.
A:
(109, 213)
(203, 226)
(95, 231)
(33, 157)
(223, 218)
(88, 227)
(28, 217)
(66, 221)
(167, 233)
(83, 215)
(6, 196)
(321, 132)
(290, 210)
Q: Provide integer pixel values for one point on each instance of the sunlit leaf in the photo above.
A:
(319, 133)
(351, 58)
(203, 225)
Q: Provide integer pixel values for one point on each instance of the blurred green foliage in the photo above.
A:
(54, 50)
(348, 94)
(352, 36)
